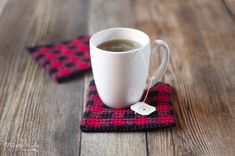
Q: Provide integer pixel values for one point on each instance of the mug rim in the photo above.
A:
(122, 52)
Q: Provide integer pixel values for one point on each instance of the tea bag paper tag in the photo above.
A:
(143, 108)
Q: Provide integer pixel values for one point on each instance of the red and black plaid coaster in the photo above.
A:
(64, 60)
(100, 118)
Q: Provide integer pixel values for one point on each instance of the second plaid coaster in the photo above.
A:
(64, 60)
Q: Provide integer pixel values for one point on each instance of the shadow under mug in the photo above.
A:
(121, 77)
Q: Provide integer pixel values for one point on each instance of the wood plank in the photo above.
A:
(143, 22)
(147, 20)
(229, 5)
(38, 116)
(160, 141)
(106, 14)
(201, 35)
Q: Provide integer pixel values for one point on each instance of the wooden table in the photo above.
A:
(40, 117)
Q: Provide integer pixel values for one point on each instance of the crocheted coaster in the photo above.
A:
(64, 60)
(100, 118)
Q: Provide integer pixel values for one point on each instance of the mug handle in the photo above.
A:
(165, 59)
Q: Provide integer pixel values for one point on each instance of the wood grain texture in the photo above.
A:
(201, 35)
(229, 5)
(40, 117)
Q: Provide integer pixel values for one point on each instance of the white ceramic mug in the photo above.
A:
(121, 77)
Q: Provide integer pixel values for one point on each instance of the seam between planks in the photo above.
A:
(173, 143)
(146, 144)
(228, 10)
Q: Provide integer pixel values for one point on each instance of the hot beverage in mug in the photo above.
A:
(120, 60)
(119, 45)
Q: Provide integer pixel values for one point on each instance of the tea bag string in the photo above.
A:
(150, 78)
